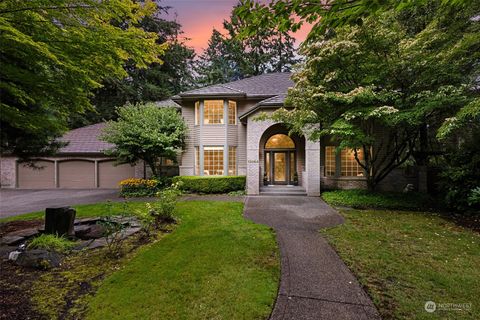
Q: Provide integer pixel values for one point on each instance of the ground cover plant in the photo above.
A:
(364, 199)
(51, 242)
(404, 259)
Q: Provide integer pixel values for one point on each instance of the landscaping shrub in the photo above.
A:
(51, 242)
(363, 199)
(135, 187)
(220, 184)
(114, 232)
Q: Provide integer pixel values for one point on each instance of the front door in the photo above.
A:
(279, 167)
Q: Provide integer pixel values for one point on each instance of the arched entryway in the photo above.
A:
(280, 156)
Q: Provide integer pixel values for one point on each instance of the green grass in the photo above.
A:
(83, 211)
(407, 258)
(215, 265)
(51, 242)
(363, 199)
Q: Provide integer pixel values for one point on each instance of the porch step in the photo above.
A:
(282, 191)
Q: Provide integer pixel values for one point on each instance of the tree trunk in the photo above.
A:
(153, 168)
(371, 185)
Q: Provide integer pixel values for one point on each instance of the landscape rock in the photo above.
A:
(88, 232)
(11, 240)
(39, 259)
(26, 233)
(60, 221)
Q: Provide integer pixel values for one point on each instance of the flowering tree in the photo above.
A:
(382, 86)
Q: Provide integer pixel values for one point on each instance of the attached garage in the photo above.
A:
(110, 175)
(80, 164)
(39, 176)
(76, 174)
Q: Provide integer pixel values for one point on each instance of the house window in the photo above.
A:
(162, 161)
(197, 161)
(280, 141)
(197, 113)
(330, 163)
(213, 161)
(232, 112)
(232, 161)
(349, 165)
(213, 112)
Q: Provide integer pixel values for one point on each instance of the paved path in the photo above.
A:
(16, 201)
(315, 283)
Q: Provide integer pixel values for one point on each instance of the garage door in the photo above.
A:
(109, 175)
(42, 176)
(76, 174)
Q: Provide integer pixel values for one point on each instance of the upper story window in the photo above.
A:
(197, 113)
(232, 112)
(213, 112)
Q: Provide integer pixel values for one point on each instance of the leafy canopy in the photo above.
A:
(54, 53)
(399, 72)
(145, 132)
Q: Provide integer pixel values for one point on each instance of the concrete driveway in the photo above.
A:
(315, 283)
(16, 201)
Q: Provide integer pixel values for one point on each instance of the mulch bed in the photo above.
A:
(15, 282)
(471, 222)
(12, 226)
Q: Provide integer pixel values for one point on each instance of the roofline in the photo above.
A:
(258, 107)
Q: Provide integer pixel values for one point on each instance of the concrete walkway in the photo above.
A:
(315, 283)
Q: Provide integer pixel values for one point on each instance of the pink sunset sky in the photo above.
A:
(199, 17)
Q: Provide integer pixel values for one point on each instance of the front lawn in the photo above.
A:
(214, 265)
(405, 259)
(363, 199)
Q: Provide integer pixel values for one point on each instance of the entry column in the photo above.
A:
(312, 167)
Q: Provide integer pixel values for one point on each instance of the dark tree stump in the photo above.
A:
(60, 221)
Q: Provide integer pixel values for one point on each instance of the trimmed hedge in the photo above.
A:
(215, 184)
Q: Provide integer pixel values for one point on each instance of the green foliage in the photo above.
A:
(211, 184)
(158, 81)
(363, 199)
(145, 132)
(163, 208)
(54, 54)
(384, 85)
(51, 242)
(460, 173)
(231, 57)
(114, 233)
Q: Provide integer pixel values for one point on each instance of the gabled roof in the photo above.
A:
(265, 85)
(275, 101)
(85, 140)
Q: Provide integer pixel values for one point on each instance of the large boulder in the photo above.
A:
(39, 259)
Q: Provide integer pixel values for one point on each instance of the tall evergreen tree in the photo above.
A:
(154, 83)
(231, 57)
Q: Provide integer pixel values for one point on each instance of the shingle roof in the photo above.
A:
(168, 103)
(270, 102)
(85, 140)
(269, 84)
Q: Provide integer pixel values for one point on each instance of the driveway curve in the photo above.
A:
(315, 283)
(18, 201)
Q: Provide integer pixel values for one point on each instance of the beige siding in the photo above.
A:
(109, 175)
(76, 174)
(42, 176)
(232, 135)
(213, 135)
(188, 114)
